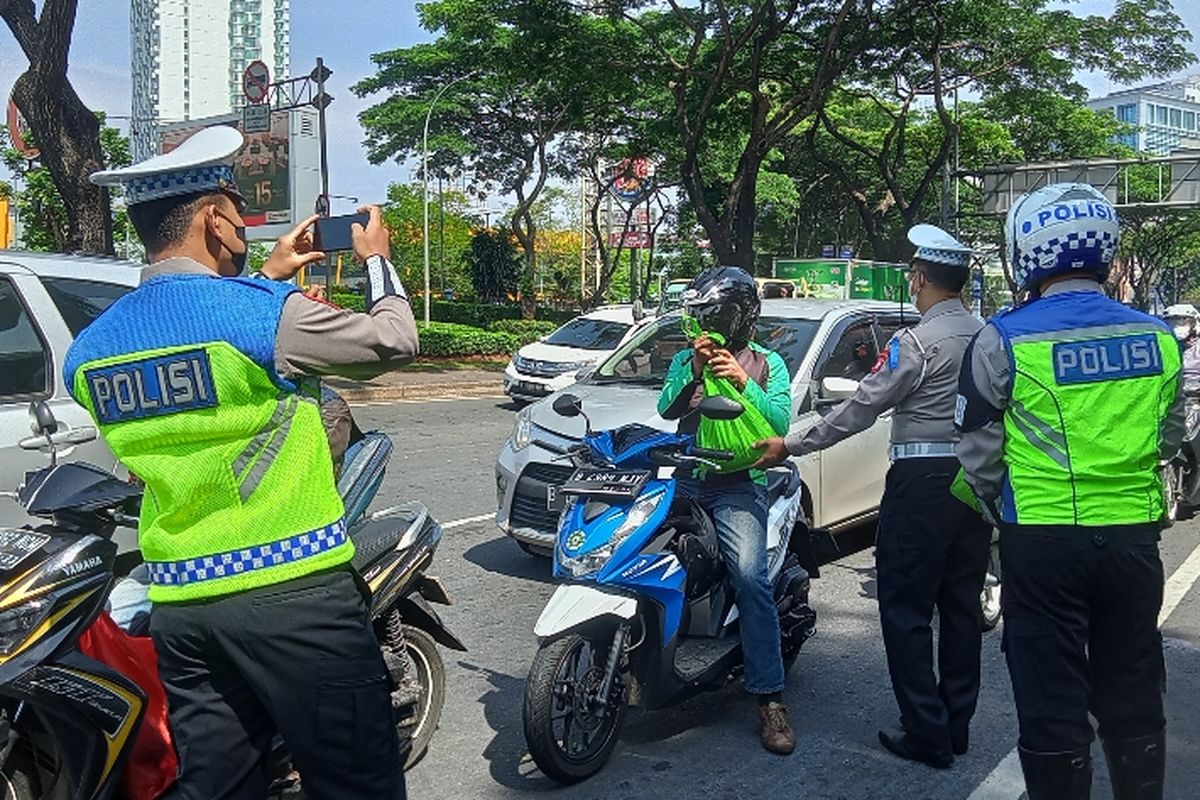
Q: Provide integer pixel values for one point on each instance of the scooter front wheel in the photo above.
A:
(569, 729)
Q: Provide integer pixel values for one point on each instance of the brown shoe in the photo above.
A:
(777, 734)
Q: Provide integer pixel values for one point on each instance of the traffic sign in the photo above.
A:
(256, 118)
(322, 101)
(256, 81)
(18, 129)
(320, 73)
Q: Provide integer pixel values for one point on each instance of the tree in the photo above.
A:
(746, 73)
(891, 115)
(44, 216)
(495, 267)
(1158, 249)
(67, 132)
(403, 215)
(511, 76)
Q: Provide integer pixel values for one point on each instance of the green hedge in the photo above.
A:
(477, 315)
(526, 330)
(450, 339)
(350, 301)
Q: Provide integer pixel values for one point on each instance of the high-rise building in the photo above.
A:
(189, 55)
(1165, 116)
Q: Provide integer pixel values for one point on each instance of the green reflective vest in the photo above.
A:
(239, 481)
(1092, 382)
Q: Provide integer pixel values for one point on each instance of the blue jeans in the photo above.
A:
(739, 512)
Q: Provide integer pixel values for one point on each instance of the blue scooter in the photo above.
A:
(647, 615)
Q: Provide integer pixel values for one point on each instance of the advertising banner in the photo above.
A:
(261, 168)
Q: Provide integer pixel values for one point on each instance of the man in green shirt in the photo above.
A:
(724, 301)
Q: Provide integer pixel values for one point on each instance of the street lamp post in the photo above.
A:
(425, 182)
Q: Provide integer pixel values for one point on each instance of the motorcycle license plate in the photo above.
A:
(606, 482)
(554, 498)
(16, 545)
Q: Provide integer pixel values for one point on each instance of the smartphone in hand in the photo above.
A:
(331, 234)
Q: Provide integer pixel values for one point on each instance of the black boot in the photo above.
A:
(1137, 766)
(1057, 776)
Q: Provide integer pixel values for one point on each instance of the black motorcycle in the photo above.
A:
(1181, 475)
(67, 721)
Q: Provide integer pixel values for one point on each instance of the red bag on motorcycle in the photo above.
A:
(152, 764)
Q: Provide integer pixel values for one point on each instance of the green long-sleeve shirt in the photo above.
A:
(773, 401)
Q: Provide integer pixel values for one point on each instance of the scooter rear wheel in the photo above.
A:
(567, 737)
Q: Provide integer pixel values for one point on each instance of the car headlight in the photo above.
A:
(594, 560)
(17, 623)
(522, 429)
(575, 366)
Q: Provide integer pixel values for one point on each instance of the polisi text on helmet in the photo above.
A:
(1065, 211)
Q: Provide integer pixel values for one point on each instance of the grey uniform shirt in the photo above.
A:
(981, 450)
(917, 376)
(316, 338)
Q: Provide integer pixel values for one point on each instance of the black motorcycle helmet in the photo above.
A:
(724, 300)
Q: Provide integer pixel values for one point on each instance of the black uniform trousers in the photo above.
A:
(300, 658)
(1081, 632)
(931, 551)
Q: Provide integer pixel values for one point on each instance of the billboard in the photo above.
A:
(278, 170)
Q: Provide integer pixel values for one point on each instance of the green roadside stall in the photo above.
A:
(838, 279)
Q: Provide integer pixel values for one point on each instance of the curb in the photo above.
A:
(455, 391)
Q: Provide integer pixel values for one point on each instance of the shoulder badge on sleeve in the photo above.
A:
(888, 356)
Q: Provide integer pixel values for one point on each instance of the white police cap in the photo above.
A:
(938, 247)
(201, 163)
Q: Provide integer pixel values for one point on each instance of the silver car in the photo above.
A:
(45, 300)
(828, 346)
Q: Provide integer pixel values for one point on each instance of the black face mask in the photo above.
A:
(239, 259)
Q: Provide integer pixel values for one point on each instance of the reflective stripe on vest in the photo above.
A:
(234, 562)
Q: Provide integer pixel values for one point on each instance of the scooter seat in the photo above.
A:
(373, 538)
(782, 481)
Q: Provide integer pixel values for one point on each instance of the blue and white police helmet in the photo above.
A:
(1060, 229)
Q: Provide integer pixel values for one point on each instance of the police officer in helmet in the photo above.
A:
(1068, 404)
(931, 549)
(203, 383)
(724, 302)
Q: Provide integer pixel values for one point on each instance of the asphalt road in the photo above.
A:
(838, 691)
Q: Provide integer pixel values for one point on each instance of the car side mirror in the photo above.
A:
(835, 390)
(719, 407)
(567, 405)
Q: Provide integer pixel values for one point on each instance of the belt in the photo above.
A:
(236, 562)
(920, 450)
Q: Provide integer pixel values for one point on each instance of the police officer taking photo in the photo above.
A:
(201, 382)
(931, 549)
(1068, 404)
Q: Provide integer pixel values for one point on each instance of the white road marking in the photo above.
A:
(1006, 782)
(458, 523)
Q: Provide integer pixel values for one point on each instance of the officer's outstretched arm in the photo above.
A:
(898, 372)
(983, 394)
(315, 338)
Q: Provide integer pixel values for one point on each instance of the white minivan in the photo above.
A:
(554, 361)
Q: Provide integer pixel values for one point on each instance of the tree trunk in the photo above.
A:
(67, 132)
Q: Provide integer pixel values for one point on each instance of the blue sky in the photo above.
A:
(344, 34)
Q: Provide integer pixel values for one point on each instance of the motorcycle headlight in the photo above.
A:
(522, 429)
(17, 623)
(594, 560)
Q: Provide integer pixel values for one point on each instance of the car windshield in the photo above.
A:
(647, 357)
(589, 334)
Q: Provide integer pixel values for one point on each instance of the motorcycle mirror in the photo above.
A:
(719, 407)
(41, 418)
(567, 405)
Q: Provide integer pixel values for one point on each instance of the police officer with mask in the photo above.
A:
(931, 550)
(202, 383)
(1068, 403)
